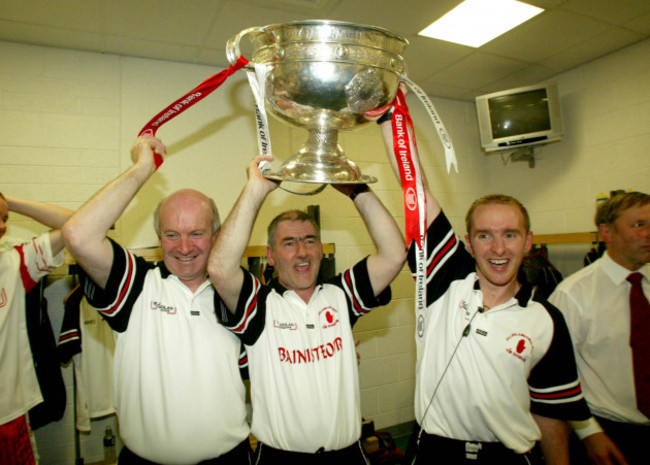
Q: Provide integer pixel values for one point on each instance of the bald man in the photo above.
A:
(179, 395)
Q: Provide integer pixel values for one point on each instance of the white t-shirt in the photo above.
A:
(21, 268)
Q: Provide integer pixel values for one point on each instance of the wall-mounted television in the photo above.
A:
(519, 117)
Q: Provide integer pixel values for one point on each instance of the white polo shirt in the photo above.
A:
(515, 359)
(302, 360)
(179, 395)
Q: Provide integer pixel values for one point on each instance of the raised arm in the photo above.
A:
(84, 234)
(47, 214)
(433, 207)
(227, 251)
(390, 253)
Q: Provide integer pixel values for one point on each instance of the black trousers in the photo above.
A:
(434, 449)
(351, 455)
(632, 440)
(240, 455)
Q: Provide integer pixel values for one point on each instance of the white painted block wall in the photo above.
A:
(68, 118)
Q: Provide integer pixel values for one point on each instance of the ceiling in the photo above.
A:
(568, 34)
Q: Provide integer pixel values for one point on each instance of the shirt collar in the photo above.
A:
(280, 289)
(618, 273)
(523, 296)
(166, 274)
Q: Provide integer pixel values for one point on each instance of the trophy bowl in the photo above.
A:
(324, 76)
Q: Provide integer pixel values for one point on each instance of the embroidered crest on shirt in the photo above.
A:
(328, 317)
(520, 346)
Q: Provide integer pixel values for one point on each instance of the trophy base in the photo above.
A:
(320, 161)
(363, 179)
(306, 186)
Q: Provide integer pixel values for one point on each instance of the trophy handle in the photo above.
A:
(232, 46)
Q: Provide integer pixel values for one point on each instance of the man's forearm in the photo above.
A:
(84, 234)
(225, 257)
(236, 230)
(97, 215)
(52, 216)
(391, 252)
(555, 440)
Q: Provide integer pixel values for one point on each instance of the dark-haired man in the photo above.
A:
(298, 331)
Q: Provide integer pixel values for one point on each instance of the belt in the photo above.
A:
(355, 446)
(472, 450)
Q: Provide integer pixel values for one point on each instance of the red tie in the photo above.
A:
(640, 342)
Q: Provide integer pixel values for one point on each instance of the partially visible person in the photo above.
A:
(595, 302)
(495, 377)
(297, 330)
(179, 395)
(21, 267)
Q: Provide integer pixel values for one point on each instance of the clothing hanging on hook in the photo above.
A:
(540, 272)
(46, 361)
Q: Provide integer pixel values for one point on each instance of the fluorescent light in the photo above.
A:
(475, 22)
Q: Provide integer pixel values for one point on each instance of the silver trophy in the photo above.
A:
(324, 76)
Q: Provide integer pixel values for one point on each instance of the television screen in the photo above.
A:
(519, 113)
(517, 117)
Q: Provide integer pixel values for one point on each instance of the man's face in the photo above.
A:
(296, 253)
(4, 216)
(186, 237)
(498, 241)
(628, 239)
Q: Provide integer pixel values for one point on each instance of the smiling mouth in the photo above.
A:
(498, 262)
(301, 267)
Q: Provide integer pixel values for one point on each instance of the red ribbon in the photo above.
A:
(413, 203)
(195, 95)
